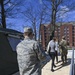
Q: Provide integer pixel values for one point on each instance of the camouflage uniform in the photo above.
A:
(29, 55)
(63, 50)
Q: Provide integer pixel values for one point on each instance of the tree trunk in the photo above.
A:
(3, 15)
(53, 20)
(35, 32)
(39, 32)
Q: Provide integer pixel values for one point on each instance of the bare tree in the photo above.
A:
(55, 7)
(55, 4)
(30, 16)
(44, 17)
(35, 16)
(6, 9)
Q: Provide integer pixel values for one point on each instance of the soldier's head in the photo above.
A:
(63, 37)
(28, 32)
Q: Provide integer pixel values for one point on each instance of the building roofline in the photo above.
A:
(59, 23)
(11, 33)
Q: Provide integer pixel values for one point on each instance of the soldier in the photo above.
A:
(29, 54)
(63, 46)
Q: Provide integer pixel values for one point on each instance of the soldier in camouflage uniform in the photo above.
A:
(29, 54)
(63, 48)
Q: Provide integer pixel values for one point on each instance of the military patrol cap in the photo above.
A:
(63, 37)
(28, 29)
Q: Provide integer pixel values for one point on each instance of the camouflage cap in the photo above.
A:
(63, 37)
(28, 29)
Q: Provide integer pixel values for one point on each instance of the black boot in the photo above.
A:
(52, 70)
(54, 65)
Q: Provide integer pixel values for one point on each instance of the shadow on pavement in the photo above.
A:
(64, 65)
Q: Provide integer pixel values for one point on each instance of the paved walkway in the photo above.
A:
(59, 70)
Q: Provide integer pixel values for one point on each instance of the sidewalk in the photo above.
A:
(59, 70)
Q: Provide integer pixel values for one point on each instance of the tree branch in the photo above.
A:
(7, 2)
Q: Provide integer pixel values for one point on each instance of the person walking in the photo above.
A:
(29, 54)
(56, 50)
(63, 46)
(51, 51)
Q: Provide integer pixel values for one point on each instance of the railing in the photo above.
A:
(72, 63)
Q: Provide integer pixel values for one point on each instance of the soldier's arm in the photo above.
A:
(40, 52)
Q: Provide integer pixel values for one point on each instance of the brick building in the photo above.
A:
(45, 34)
(66, 29)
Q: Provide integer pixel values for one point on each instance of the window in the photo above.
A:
(13, 42)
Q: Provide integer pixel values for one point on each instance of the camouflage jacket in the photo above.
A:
(29, 55)
(63, 46)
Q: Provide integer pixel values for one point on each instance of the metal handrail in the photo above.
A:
(72, 63)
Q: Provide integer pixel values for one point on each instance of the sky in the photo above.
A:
(18, 23)
(69, 16)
